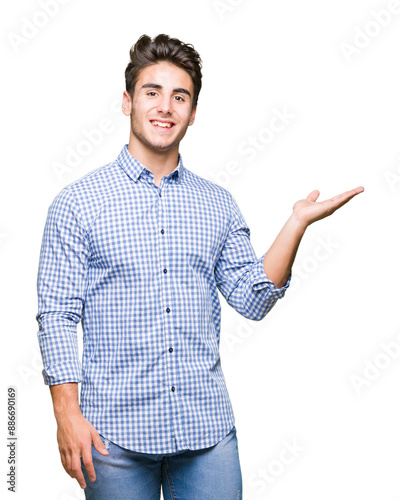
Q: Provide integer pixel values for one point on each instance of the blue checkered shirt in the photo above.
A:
(141, 266)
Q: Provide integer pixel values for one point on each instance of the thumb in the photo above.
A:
(313, 195)
(98, 444)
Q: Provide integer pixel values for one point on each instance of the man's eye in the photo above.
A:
(179, 97)
(152, 93)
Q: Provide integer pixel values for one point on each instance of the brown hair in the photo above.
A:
(147, 51)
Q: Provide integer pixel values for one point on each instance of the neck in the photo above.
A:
(160, 162)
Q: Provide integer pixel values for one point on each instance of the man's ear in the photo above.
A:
(192, 115)
(126, 103)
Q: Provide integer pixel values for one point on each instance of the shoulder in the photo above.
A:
(218, 196)
(95, 182)
(87, 195)
(196, 182)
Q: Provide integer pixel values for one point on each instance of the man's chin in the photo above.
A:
(163, 146)
(156, 146)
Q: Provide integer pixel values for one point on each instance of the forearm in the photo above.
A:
(65, 399)
(279, 258)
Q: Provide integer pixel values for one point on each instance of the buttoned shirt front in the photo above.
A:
(141, 266)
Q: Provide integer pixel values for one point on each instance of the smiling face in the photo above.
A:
(161, 108)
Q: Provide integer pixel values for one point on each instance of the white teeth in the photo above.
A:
(162, 124)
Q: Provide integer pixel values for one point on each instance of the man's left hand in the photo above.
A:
(309, 210)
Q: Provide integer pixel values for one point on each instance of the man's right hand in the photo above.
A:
(75, 435)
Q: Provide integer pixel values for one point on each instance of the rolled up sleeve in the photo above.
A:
(61, 285)
(240, 276)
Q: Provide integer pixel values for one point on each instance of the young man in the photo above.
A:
(137, 250)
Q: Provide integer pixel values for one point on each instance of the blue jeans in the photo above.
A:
(208, 474)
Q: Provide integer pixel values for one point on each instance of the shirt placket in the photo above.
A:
(168, 307)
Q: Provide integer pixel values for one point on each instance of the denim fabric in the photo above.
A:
(212, 473)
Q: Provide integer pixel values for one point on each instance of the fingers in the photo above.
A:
(313, 195)
(75, 435)
(98, 444)
(307, 211)
(87, 455)
(349, 194)
(88, 463)
(340, 200)
(76, 471)
(72, 466)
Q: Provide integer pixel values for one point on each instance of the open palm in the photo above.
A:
(309, 210)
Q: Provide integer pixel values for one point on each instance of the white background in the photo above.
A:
(290, 375)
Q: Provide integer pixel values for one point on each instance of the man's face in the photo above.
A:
(161, 108)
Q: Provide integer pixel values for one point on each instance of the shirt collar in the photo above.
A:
(134, 168)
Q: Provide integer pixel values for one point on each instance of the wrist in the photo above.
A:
(296, 224)
(61, 413)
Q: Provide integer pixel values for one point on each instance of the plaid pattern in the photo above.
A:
(141, 266)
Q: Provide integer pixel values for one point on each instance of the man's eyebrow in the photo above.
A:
(158, 86)
(183, 91)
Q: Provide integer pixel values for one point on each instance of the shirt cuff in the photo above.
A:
(260, 280)
(62, 373)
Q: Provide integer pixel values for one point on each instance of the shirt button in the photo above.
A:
(172, 389)
(165, 270)
(170, 349)
(162, 231)
(168, 309)
(159, 194)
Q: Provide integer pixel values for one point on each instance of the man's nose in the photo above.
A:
(164, 105)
